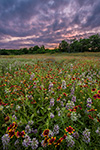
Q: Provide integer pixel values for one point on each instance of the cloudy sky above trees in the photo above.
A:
(25, 23)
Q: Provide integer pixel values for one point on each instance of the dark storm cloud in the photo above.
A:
(83, 2)
(94, 19)
(37, 22)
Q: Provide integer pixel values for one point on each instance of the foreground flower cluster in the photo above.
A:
(50, 104)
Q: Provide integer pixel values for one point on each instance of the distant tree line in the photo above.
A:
(91, 44)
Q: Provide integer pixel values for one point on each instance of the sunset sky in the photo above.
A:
(26, 23)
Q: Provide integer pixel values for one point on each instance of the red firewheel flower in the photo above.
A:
(58, 142)
(98, 96)
(45, 142)
(33, 102)
(13, 126)
(64, 136)
(65, 94)
(46, 132)
(20, 134)
(92, 109)
(95, 96)
(6, 118)
(90, 117)
(69, 129)
(51, 140)
(94, 89)
(11, 133)
(98, 91)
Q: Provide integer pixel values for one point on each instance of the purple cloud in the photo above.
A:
(25, 23)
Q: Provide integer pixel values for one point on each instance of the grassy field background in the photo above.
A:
(85, 55)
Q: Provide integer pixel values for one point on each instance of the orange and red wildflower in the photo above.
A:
(20, 134)
(13, 126)
(69, 129)
(46, 132)
(51, 141)
(11, 133)
(58, 142)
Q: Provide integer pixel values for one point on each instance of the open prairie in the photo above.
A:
(50, 101)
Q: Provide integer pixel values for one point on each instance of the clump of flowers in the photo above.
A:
(5, 140)
(51, 134)
(16, 144)
(72, 91)
(18, 107)
(50, 86)
(70, 105)
(32, 76)
(56, 129)
(34, 143)
(14, 117)
(73, 98)
(75, 135)
(27, 141)
(70, 141)
(63, 86)
(86, 136)
(30, 122)
(98, 131)
(73, 116)
(89, 102)
(52, 102)
(27, 129)
(51, 115)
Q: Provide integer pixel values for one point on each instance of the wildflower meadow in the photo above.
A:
(49, 103)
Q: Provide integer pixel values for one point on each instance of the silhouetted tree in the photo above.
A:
(63, 46)
(95, 42)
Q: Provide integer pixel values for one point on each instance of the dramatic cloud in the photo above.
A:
(25, 23)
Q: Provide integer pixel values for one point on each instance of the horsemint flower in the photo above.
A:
(27, 129)
(98, 131)
(34, 143)
(69, 140)
(76, 135)
(69, 129)
(86, 136)
(5, 140)
(56, 129)
(51, 115)
(27, 141)
(52, 102)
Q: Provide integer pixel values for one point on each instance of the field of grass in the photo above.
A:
(50, 102)
(56, 55)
